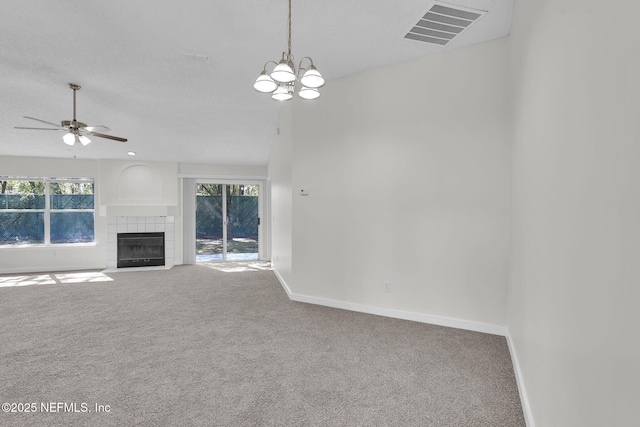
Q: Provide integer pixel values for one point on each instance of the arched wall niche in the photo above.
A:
(140, 182)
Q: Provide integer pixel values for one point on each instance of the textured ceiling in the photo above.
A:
(129, 58)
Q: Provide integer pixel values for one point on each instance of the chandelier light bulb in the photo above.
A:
(312, 78)
(264, 83)
(69, 138)
(84, 140)
(308, 93)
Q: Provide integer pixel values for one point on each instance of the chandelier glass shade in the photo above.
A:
(264, 83)
(284, 77)
(284, 92)
(312, 78)
(308, 93)
(283, 73)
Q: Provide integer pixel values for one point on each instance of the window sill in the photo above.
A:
(51, 246)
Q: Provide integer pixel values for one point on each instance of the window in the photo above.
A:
(46, 211)
(22, 207)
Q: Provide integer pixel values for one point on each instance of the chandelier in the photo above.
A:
(281, 82)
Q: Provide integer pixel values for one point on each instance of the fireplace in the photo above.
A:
(140, 249)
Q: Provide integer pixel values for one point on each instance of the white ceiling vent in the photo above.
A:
(443, 22)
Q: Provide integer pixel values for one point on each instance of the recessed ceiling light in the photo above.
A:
(131, 153)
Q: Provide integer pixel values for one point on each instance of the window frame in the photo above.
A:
(47, 211)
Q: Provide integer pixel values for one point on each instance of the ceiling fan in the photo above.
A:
(76, 131)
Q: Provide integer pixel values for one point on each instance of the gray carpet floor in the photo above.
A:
(223, 346)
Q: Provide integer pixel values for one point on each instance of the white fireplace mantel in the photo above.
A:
(138, 210)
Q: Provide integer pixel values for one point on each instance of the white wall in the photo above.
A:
(200, 170)
(408, 172)
(574, 287)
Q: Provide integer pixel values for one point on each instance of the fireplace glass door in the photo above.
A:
(140, 249)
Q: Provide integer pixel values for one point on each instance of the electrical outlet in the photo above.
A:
(387, 286)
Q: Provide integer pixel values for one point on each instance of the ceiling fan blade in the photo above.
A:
(95, 128)
(102, 135)
(21, 127)
(43, 121)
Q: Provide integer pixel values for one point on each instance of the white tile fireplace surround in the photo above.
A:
(140, 224)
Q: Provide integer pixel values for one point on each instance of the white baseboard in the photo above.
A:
(397, 314)
(50, 269)
(524, 399)
(281, 280)
(405, 315)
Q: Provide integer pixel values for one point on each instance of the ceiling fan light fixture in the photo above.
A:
(69, 138)
(312, 78)
(75, 129)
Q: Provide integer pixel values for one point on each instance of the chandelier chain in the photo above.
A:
(289, 32)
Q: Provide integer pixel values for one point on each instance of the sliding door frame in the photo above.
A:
(261, 203)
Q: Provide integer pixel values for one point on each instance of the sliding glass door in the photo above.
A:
(242, 222)
(227, 222)
(209, 222)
